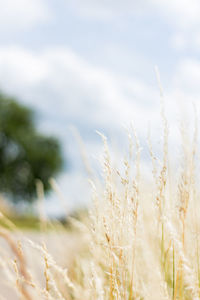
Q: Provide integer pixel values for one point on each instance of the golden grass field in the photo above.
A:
(139, 241)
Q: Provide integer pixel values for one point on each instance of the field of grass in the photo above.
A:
(140, 240)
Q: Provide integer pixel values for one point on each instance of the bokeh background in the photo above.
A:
(90, 65)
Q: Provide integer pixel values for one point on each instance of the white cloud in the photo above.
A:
(106, 10)
(68, 89)
(187, 76)
(179, 41)
(61, 81)
(22, 14)
(184, 92)
(20, 68)
(182, 16)
(183, 13)
(186, 41)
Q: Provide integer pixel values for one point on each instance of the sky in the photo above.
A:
(90, 65)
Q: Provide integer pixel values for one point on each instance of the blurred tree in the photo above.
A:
(25, 155)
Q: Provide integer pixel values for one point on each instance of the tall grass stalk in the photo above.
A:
(139, 241)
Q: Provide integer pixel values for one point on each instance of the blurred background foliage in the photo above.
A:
(25, 154)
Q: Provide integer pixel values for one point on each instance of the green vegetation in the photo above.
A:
(32, 223)
(25, 154)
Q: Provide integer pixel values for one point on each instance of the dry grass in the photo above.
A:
(140, 241)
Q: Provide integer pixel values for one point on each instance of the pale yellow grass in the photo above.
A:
(140, 241)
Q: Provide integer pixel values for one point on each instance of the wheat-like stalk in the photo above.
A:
(140, 239)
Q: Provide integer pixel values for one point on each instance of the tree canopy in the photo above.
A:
(25, 154)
